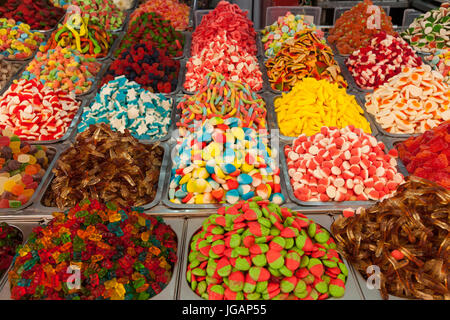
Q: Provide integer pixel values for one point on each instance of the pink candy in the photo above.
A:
(341, 165)
(223, 55)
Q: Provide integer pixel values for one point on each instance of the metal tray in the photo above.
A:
(34, 197)
(352, 290)
(41, 209)
(25, 226)
(170, 129)
(168, 293)
(332, 204)
(262, 68)
(362, 99)
(274, 116)
(15, 76)
(368, 294)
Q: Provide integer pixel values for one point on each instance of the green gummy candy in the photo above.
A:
(199, 272)
(329, 263)
(289, 243)
(322, 237)
(242, 264)
(336, 291)
(254, 296)
(274, 272)
(235, 241)
(194, 264)
(321, 287)
(304, 262)
(343, 268)
(274, 231)
(249, 287)
(312, 230)
(259, 260)
(242, 251)
(201, 287)
(265, 222)
(285, 271)
(261, 286)
(211, 267)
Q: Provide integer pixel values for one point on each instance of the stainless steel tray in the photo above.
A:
(332, 204)
(168, 293)
(25, 225)
(43, 210)
(352, 290)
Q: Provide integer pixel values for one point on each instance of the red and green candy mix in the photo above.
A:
(151, 28)
(256, 250)
(121, 254)
(39, 14)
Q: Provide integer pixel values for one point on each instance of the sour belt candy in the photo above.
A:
(440, 61)
(150, 28)
(284, 28)
(11, 237)
(356, 27)
(63, 68)
(220, 98)
(153, 68)
(35, 112)
(39, 14)
(173, 10)
(430, 31)
(385, 57)
(256, 250)
(428, 155)
(223, 161)
(223, 55)
(120, 253)
(124, 105)
(120, 169)
(413, 101)
(341, 165)
(300, 57)
(17, 41)
(406, 237)
(7, 71)
(22, 169)
(228, 17)
(312, 104)
(83, 35)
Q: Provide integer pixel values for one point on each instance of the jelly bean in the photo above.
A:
(273, 277)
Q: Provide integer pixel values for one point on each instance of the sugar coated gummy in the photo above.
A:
(341, 165)
(300, 57)
(22, 168)
(17, 40)
(223, 161)
(428, 155)
(123, 170)
(122, 254)
(256, 250)
(125, 105)
(354, 28)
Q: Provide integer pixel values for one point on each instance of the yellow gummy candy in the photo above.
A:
(312, 104)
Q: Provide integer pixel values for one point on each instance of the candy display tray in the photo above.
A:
(19, 211)
(368, 294)
(349, 77)
(168, 293)
(274, 117)
(25, 226)
(352, 290)
(22, 65)
(362, 99)
(331, 204)
(40, 208)
(262, 68)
